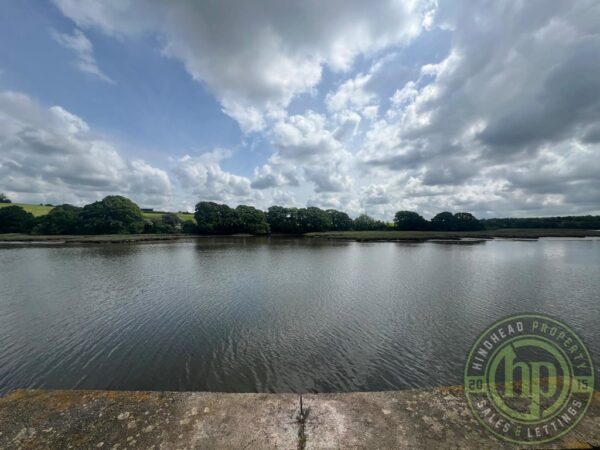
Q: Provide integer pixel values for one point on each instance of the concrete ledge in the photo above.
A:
(171, 420)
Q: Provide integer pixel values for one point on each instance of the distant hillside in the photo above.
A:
(36, 210)
(42, 210)
(182, 216)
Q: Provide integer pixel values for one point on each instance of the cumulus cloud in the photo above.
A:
(286, 198)
(50, 155)
(83, 48)
(203, 177)
(505, 122)
(269, 176)
(490, 107)
(302, 137)
(375, 195)
(256, 56)
(307, 144)
(340, 201)
(353, 94)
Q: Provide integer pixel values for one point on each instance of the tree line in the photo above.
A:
(112, 215)
(569, 222)
(214, 218)
(444, 221)
(116, 214)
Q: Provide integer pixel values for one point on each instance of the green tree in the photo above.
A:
(283, 220)
(112, 215)
(252, 220)
(410, 220)
(172, 220)
(189, 227)
(14, 219)
(443, 221)
(580, 222)
(340, 221)
(4, 198)
(313, 219)
(62, 219)
(207, 217)
(461, 221)
(367, 223)
(168, 223)
(213, 218)
(151, 224)
(464, 221)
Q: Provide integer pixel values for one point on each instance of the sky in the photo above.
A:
(490, 107)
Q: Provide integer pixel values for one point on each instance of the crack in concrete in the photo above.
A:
(301, 420)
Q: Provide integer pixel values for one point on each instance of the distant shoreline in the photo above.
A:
(32, 239)
(357, 236)
(505, 233)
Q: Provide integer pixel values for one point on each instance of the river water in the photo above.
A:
(276, 315)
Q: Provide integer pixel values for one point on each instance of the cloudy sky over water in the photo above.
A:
(491, 107)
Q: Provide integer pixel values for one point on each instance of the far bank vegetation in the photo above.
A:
(119, 215)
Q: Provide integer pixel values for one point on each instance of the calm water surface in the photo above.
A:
(276, 315)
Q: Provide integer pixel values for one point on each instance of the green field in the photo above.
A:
(36, 210)
(514, 233)
(40, 210)
(182, 216)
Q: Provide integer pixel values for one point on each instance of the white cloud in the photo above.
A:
(375, 194)
(305, 142)
(203, 178)
(50, 155)
(255, 56)
(285, 198)
(302, 137)
(353, 94)
(489, 128)
(270, 175)
(500, 120)
(82, 47)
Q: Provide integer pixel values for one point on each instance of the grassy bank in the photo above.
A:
(532, 233)
(91, 239)
(342, 235)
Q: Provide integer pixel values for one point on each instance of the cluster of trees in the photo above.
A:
(119, 215)
(367, 223)
(444, 221)
(572, 222)
(112, 215)
(214, 218)
(306, 220)
(14, 219)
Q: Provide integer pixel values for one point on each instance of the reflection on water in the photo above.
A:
(276, 315)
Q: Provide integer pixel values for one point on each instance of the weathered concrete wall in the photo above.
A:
(436, 418)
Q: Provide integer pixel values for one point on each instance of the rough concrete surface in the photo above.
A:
(436, 418)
